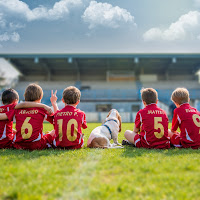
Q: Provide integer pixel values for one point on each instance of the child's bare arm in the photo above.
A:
(136, 130)
(3, 116)
(171, 133)
(14, 131)
(32, 105)
(53, 100)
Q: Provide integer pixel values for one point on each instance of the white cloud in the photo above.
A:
(17, 9)
(104, 14)
(2, 21)
(4, 37)
(14, 26)
(59, 9)
(15, 37)
(187, 26)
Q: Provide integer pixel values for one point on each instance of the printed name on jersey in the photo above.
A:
(190, 110)
(66, 114)
(155, 112)
(25, 112)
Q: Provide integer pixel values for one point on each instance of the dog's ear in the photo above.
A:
(108, 113)
(120, 121)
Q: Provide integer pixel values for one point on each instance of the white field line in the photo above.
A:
(82, 177)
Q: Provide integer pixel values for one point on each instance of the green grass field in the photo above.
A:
(95, 174)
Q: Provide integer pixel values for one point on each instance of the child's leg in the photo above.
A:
(47, 139)
(175, 138)
(130, 135)
(52, 133)
(170, 133)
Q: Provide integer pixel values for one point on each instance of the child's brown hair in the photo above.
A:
(33, 92)
(9, 96)
(149, 95)
(71, 95)
(180, 96)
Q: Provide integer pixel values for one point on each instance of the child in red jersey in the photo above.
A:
(29, 121)
(10, 98)
(69, 120)
(187, 119)
(151, 122)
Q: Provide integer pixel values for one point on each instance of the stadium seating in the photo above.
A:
(46, 85)
(102, 90)
(171, 84)
(89, 90)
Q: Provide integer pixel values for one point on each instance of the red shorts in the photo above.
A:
(43, 143)
(75, 146)
(6, 144)
(137, 141)
(78, 146)
(180, 143)
(176, 140)
(140, 142)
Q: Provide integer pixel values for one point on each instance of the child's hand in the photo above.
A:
(48, 109)
(53, 98)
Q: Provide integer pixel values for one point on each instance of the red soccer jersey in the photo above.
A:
(29, 124)
(153, 124)
(6, 132)
(187, 119)
(68, 124)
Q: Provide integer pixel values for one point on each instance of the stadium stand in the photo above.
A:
(109, 80)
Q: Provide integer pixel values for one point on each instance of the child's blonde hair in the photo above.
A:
(180, 96)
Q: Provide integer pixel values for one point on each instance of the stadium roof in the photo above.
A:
(90, 65)
(107, 55)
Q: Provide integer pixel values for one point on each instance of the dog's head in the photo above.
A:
(114, 114)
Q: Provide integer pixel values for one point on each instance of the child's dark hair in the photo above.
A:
(9, 96)
(33, 92)
(149, 95)
(71, 95)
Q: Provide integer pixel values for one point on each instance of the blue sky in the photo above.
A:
(107, 26)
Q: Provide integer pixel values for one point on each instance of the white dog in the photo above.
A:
(100, 137)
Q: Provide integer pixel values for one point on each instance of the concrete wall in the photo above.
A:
(120, 106)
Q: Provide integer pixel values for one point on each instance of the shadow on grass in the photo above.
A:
(26, 154)
(127, 151)
(137, 152)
